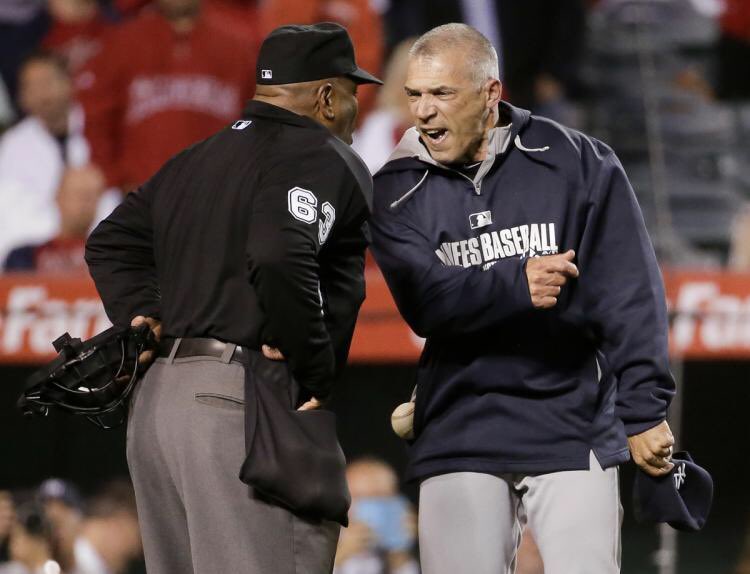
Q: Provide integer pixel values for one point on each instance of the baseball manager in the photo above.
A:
(254, 237)
(517, 248)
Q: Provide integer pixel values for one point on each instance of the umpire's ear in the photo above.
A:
(325, 97)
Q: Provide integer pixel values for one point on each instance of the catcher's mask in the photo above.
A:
(92, 378)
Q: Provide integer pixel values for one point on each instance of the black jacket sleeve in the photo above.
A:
(342, 276)
(296, 210)
(624, 300)
(120, 256)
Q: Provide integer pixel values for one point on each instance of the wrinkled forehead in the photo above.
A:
(442, 68)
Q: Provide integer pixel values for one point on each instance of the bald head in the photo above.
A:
(331, 102)
(477, 51)
(369, 477)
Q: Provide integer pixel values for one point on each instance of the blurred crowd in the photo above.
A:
(53, 529)
(95, 95)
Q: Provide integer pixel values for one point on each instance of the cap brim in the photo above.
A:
(362, 77)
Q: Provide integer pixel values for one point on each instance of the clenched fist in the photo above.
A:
(547, 275)
(652, 449)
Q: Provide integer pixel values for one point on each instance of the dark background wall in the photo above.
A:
(715, 431)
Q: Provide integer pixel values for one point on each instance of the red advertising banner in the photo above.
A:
(710, 312)
(36, 309)
(710, 315)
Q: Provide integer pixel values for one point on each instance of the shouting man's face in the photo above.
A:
(452, 111)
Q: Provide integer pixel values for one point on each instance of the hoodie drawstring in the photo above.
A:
(520, 146)
(396, 203)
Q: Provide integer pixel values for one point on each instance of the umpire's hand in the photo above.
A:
(652, 449)
(147, 357)
(546, 276)
(275, 355)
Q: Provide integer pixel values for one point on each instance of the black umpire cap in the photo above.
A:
(293, 54)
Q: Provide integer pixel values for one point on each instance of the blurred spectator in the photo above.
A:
(34, 152)
(129, 8)
(31, 543)
(77, 200)
(168, 78)
(7, 112)
(382, 527)
(734, 51)
(690, 80)
(76, 31)
(7, 516)
(739, 255)
(358, 16)
(110, 538)
(242, 16)
(63, 507)
(539, 43)
(23, 24)
(383, 128)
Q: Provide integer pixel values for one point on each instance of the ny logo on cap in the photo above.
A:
(679, 475)
(266, 74)
(481, 219)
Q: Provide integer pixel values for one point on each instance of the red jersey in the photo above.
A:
(55, 256)
(77, 42)
(735, 21)
(130, 7)
(61, 256)
(152, 92)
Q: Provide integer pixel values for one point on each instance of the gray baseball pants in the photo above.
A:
(471, 523)
(185, 446)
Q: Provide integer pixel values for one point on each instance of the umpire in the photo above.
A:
(250, 240)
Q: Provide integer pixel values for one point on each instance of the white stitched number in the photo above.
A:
(326, 224)
(303, 205)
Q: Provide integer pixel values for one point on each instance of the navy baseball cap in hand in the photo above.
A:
(681, 498)
(295, 53)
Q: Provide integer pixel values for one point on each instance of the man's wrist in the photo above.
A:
(636, 428)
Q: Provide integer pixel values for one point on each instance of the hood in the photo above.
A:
(410, 153)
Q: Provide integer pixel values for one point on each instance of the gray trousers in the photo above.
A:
(471, 523)
(185, 447)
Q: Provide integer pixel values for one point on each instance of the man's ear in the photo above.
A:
(494, 92)
(325, 101)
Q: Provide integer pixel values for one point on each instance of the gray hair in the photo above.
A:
(481, 55)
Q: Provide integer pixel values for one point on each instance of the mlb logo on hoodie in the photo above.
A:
(481, 219)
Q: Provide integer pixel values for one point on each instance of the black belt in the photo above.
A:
(203, 347)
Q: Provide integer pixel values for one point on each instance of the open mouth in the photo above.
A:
(436, 135)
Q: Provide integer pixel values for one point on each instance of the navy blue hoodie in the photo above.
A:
(502, 386)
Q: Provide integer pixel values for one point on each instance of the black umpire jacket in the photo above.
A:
(254, 235)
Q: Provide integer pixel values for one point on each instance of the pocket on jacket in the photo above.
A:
(217, 400)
